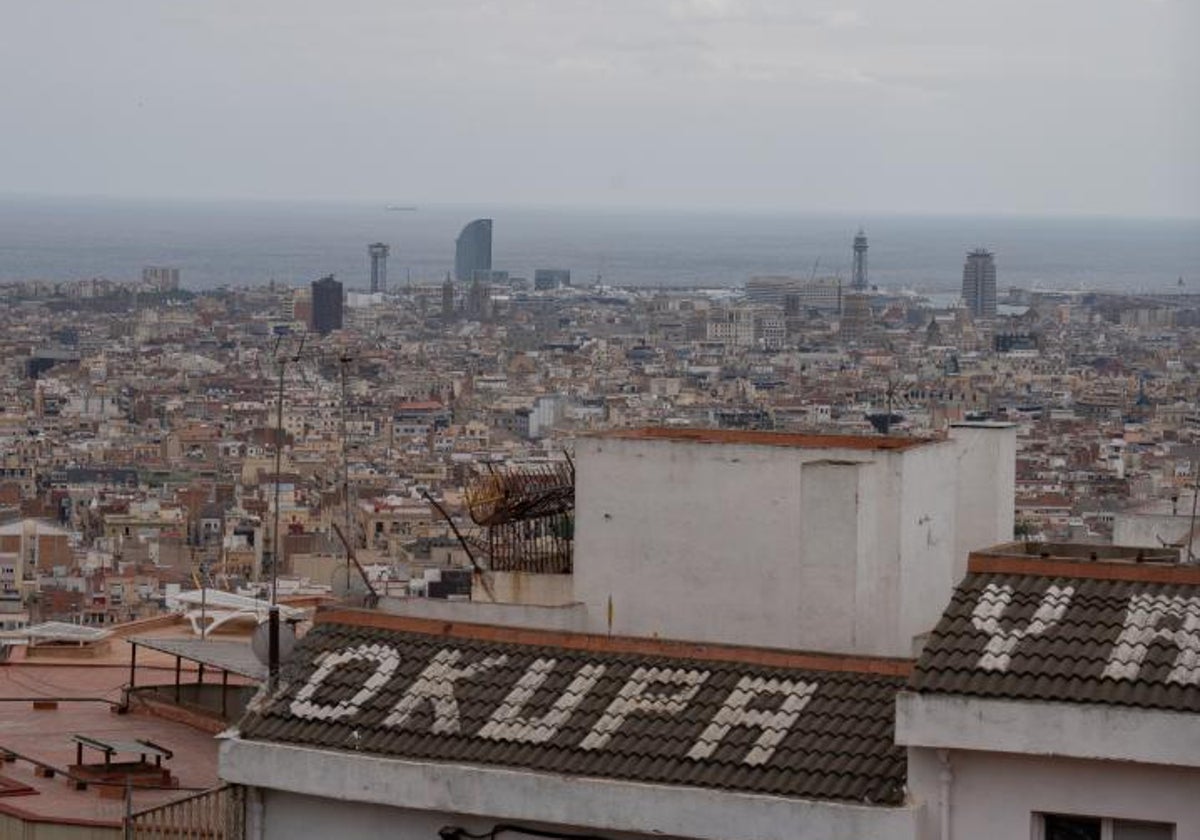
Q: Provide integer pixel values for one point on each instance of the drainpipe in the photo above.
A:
(945, 777)
(254, 814)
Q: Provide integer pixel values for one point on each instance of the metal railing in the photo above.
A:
(217, 814)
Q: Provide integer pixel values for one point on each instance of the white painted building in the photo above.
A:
(1053, 698)
(816, 542)
(1056, 699)
(1060, 699)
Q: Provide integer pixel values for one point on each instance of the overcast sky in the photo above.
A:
(869, 106)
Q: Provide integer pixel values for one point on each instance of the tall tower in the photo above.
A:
(858, 282)
(448, 298)
(326, 305)
(473, 250)
(979, 283)
(379, 254)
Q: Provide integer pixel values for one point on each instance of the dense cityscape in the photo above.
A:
(141, 419)
(182, 470)
(542, 420)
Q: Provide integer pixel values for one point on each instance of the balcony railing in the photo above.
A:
(217, 814)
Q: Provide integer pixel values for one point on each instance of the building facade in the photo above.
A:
(473, 250)
(979, 283)
(821, 293)
(378, 252)
(835, 543)
(326, 305)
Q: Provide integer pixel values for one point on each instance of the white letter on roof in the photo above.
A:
(773, 726)
(386, 661)
(435, 686)
(992, 604)
(1143, 628)
(634, 700)
(508, 724)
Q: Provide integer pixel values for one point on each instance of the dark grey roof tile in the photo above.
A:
(839, 745)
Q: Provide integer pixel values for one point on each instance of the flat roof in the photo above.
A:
(234, 657)
(44, 735)
(869, 443)
(1084, 561)
(58, 631)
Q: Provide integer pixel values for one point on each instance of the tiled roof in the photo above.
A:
(569, 710)
(1087, 639)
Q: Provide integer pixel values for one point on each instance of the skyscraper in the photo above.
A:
(448, 298)
(379, 254)
(859, 281)
(473, 250)
(979, 283)
(326, 305)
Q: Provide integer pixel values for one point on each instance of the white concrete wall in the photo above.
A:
(821, 562)
(570, 617)
(986, 474)
(528, 588)
(1151, 530)
(331, 787)
(689, 541)
(997, 795)
(873, 602)
(839, 550)
(1038, 727)
(928, 567)
(289, 816)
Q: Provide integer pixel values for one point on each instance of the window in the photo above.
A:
(1071, 827)
(1056, 827)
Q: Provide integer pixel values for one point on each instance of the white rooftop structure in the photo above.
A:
(56, 631)
(223, 607)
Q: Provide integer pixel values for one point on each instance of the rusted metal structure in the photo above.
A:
(217, 814)
(526, 517)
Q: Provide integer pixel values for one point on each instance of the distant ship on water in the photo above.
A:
(407, 208)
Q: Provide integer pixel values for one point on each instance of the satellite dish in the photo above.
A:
(346, 582)
(260, 642)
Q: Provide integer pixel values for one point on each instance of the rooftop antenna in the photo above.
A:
(1192, 524)
(273, 614)
(479, 570)
(344, 361)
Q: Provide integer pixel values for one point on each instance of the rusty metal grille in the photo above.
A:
(217, 814)
(526, 516)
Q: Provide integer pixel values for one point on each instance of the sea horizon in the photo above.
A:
(249, 242)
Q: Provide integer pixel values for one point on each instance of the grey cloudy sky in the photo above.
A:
(1011, 106)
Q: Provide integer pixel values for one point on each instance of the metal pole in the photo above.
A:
(203, 600)
(345, 360)
(275, 552)
(273, 645)
(128, 809)
(1192, 524)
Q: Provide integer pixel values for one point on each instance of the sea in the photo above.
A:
(249, 243)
